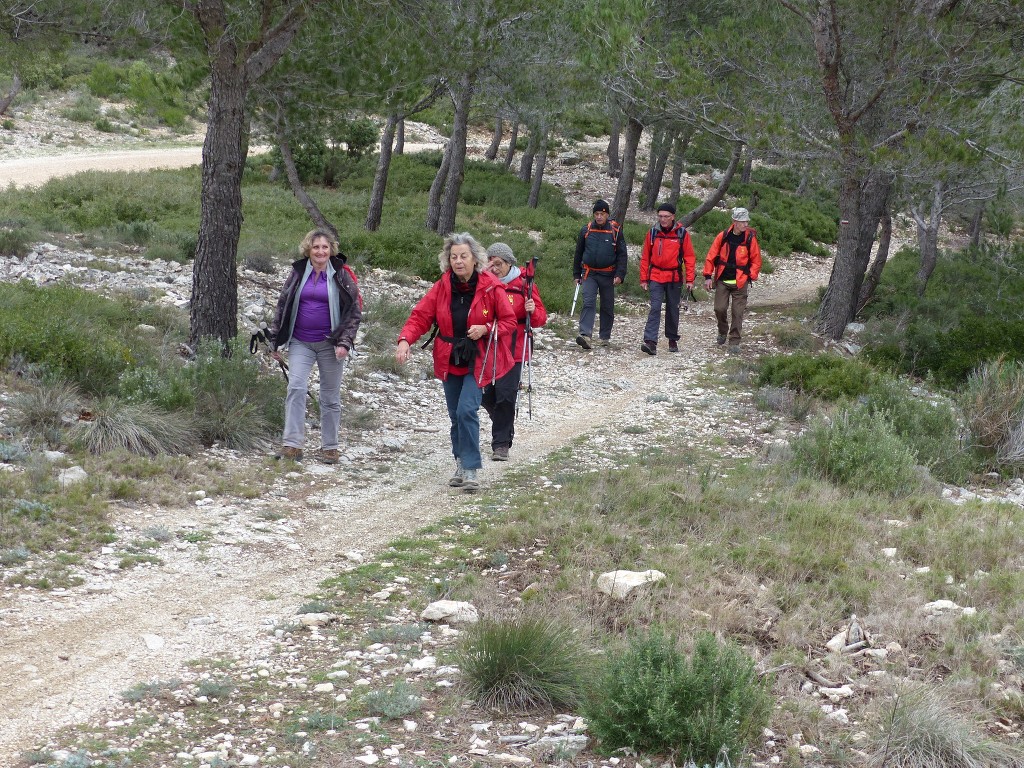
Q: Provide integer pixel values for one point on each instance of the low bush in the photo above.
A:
(44, 408)
(139, 428)
(395, 701)
(85, 109)
(827, 376)
(16, 239)
(523, 664)
(860, 450)
(992, 401)
(653, 699)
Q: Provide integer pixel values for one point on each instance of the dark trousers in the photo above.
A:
(499, 400)
(668, 294)
(603, 284)
(724, 295)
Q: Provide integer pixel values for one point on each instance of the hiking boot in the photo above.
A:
(605, 342)
(583, 341)
(456, 480)
(330, 455)
(288, 452)
(469, 481)
(649, 347)
(673, 346)
(500, 453)
(721, 339)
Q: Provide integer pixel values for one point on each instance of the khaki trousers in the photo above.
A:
(723, 294)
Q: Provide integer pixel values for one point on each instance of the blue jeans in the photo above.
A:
(602, 283)
(668, 294)
(301, 357)
(462, 396)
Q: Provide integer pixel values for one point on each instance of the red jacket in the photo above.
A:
(748, 258)
(516, 291)
(661, 261)
(489, 305)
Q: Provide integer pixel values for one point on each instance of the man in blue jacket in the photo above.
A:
(598, 266)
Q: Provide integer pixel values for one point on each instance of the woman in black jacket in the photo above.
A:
(318, 314)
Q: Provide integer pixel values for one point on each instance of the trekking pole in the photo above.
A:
(575, 295)
(491, 342)
(260, 337)
(528, 342)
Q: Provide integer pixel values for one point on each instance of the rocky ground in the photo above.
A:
(235, 570)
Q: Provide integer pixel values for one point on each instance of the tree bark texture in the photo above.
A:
(499, 128)
(538, 168)
(614, 165)
(526, 161)
(298, 188)
(678, 153)
(648, 195)
(874, 275)
(928, 238)
(7, 100)
(436, 187)
(976, 219)
(748, 166)
(400, 137)
(457, 148)
(715, 197)
(863, 198)
(380, 177)
(512, 139)
(634, 130)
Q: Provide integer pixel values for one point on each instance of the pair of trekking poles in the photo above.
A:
(526, 372)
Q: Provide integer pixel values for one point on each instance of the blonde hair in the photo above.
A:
(307, 242)
(461, 238)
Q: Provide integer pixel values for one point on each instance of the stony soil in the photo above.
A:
(66, 655)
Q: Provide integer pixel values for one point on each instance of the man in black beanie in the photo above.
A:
(667, 262)
(598, 266)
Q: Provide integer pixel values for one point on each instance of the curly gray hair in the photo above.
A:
(461, 238)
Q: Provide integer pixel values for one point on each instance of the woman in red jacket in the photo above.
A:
(499, 400)
(475, 323)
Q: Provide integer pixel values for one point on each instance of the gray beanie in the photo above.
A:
(740, 214)
(501, 251)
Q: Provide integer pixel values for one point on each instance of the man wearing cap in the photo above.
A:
(666, 263)
(733, 262)
(598, 266)
(499, 398)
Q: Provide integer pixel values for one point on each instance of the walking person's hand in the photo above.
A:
(402, 352)
(617, 281)
(529, 306)
(644, 284)
(476, 331)
(340, 353)
(276, 355)
(707, 284)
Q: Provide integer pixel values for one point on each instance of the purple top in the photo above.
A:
(313, 322)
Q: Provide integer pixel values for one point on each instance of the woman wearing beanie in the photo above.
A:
(499, 399)
(474, 324)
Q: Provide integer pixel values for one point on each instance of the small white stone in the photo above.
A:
(153, 642)
(324, 688)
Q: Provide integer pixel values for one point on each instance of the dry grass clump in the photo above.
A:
(993, 406)
(139, 428)
(921, 728)
(44, 408)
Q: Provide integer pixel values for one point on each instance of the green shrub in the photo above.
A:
(524, 663)
(42, 409)
(857, 449)
(827, 376)
(105, 80)
(653, 699)
(156, 95)
(993, 405)
(260, 261)
(395, 701)
(16, 240)
(85, 109)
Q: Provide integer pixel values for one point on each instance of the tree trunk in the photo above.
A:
(526, 162)
(661, 143)
(6, 101)
(512, 139)
(538, 168)
(678, 152)
(874, 275)
(928, 238)
(627, 172)
(214, 308)
(863, 198)
(976, 219)
(499, 127)
(457, 149)
(715, 197)
(614, 165)
(436, 187)
(298, 189)
(400, 137)
(380, 178)
(748, 166)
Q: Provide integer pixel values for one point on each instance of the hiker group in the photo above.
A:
(480, 317)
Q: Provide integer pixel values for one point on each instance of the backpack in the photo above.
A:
(681, 236)
(616, 228)
(355, 280)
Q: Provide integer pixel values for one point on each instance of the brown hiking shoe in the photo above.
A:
(288, 452)
(330, 455)
(500, 453)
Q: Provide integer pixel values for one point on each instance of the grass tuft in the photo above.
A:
(139, 428)
(395, 701)
(523, 664)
